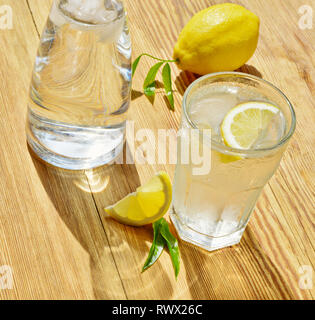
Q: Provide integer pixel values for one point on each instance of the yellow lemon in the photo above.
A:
(149, 203)
(220, 38)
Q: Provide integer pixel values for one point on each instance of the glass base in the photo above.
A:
(72, 163)
(204, 241)
(74, 147)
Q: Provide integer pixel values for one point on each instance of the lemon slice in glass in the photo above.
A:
(244, 124)
(149, 203)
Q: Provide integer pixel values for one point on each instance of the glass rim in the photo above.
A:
(223, 147)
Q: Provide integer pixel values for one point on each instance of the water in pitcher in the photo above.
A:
(218, 204)
(80, 89)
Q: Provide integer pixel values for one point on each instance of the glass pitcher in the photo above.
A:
(80, 87)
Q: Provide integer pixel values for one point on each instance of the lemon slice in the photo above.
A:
(149, 203)
(245, 123)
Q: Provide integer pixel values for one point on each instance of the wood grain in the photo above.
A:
(55, 244)
(53, 231)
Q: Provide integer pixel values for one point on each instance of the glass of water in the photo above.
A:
(212, 209)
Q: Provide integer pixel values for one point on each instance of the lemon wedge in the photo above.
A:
(246, 122)
(149, 203)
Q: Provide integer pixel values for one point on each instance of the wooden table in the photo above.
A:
(53, 233)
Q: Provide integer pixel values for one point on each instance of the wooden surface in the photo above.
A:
(53, 232)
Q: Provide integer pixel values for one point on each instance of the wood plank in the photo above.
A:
(271, 265)
(280, 236)
(50, 231)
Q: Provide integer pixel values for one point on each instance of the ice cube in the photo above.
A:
(93, 11)
(211, 110)
(96, 17)
(273, 132)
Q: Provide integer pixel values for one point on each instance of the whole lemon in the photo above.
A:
(220, 38)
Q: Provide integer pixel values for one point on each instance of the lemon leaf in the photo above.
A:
(157, 246)
(137, 60)
(135, 65)
(162, 236)
(172, 245)
(167, 80)
(149, 82)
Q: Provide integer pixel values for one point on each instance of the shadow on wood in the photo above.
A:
(185, 78)
(225, 267)
(71, 194)
(135, 94)
(116, 251)
(247, 68)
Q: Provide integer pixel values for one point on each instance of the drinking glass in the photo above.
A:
(212, 209)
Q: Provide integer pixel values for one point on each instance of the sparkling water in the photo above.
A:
(212, 210)
(80, 89)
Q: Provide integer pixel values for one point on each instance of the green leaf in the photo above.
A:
(167, 80)
(172, 245)
(157, 246)
(135, 65)
(149, 82)
(149, 91)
